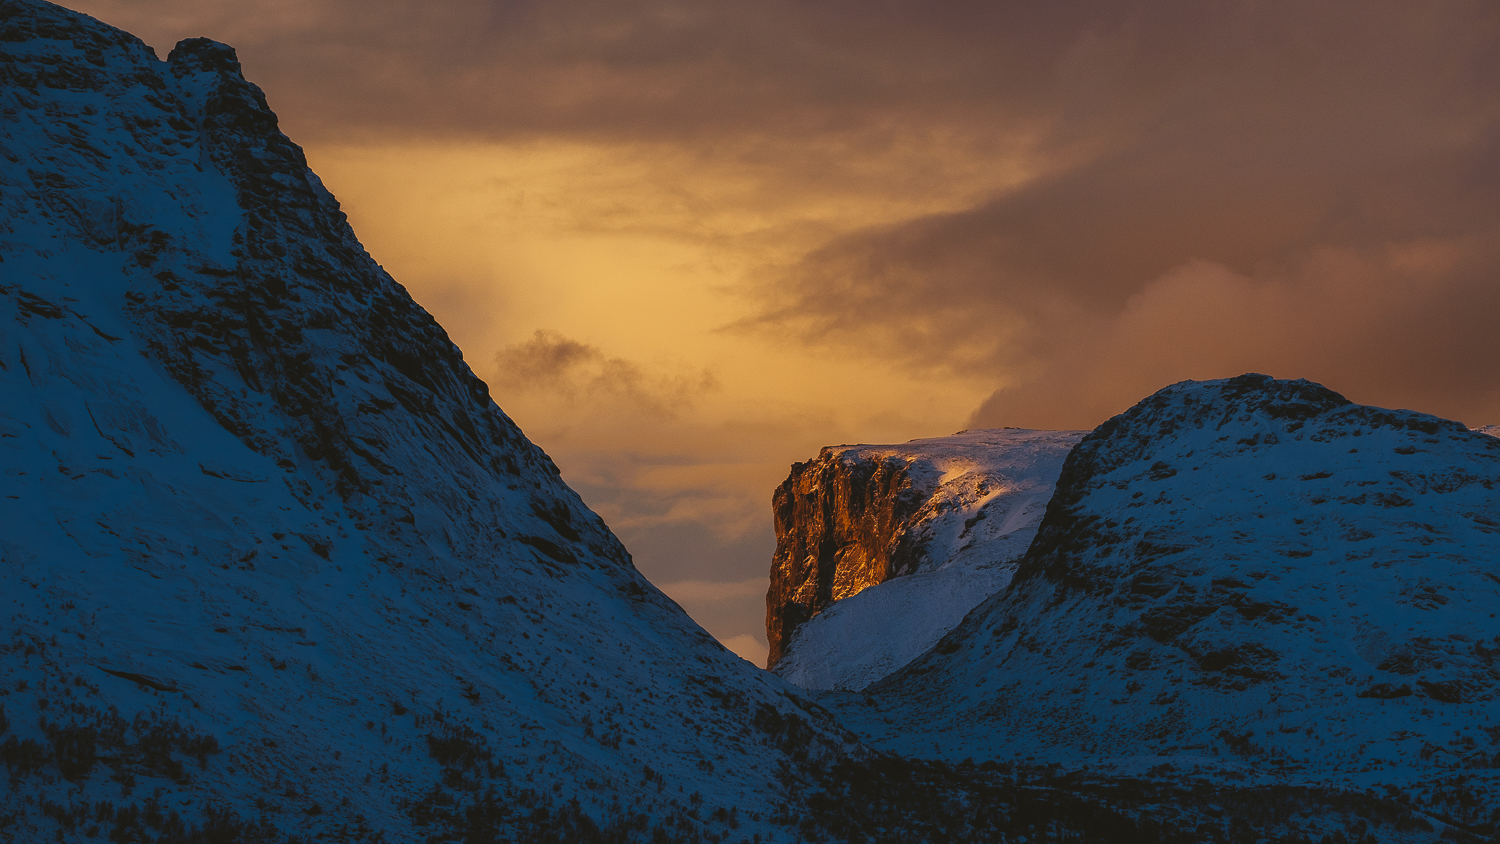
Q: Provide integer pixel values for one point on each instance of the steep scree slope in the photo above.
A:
(270, 553)
(1250, 570)
(881, 549)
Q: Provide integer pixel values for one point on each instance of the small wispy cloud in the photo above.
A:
(558, 366)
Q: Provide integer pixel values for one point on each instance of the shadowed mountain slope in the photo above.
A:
(1249, 573)
(270, 551)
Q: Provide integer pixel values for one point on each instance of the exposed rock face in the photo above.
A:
(837, 524)
(1248, 569)
(859, 516)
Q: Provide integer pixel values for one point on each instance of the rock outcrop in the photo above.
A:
(860, 516)
(1241, 572)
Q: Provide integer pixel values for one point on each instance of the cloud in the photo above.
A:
(648, 68)
(549, 360)
(552, 364)
(683, 70)
(1398, 326)
(1303, 190)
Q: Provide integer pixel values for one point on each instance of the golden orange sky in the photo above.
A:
(688, 244)
(597, 289)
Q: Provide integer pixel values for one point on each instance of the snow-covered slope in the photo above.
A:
(1249, 572)
(269, 551)
(976, 500)
(274, 568)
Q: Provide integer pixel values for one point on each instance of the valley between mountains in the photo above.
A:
(274, 567)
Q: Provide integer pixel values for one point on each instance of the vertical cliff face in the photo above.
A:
(860, 516)
(839, 524)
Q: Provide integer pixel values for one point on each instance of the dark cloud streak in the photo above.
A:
(1312, 184)
(555, 365)
(653, 69)
(1253, 138)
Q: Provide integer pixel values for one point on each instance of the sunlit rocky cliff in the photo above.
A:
(881, 549)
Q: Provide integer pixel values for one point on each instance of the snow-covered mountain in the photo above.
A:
(270, 554)
(1251, 576)
(884, 548)
(275, 568)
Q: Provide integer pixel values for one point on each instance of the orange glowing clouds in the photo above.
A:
(688, 243)
(644, 256)
(598, 291)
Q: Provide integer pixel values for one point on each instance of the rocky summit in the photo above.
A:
(881, 549)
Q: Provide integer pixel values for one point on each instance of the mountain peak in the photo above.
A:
(1191, 425)
(256, 499)
(205, 54)
(1200, 404)
(1230, 556)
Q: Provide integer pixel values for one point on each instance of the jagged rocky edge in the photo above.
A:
(870, 500)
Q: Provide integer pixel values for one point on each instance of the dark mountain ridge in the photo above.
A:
(1240, 572)
(271, 556)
